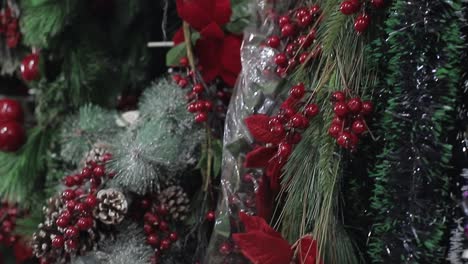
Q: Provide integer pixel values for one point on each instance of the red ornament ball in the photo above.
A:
(30, 67)
(71, 231)
(71, 244)
(284, 150)
(283, 20)
(10, 110)
(198, 88)
(303, 57)
(173, 236)
(184, 62)
(12, 136)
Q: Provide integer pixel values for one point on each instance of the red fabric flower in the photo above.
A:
(201, 13)
(261, 244)
(22, 252)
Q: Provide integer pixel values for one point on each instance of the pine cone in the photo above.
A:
(96, 154)
(41, 242)
(112, 206)
(175, 200)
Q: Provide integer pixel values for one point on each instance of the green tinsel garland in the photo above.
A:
(410, 192)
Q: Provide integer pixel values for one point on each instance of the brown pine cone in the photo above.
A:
(112, 206)
(175, 200)
(41, 242)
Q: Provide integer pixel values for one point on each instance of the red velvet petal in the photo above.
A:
(256, 223)
(307, 250)
(231, 54)
(259, 128)
(193, 13)
(223, 12)
(264, 199)
(22, 252)
(259, 157)
(208, 50)
(179, 36)
(261, 248)
(273, 172)
(229, 78)
(212, 31)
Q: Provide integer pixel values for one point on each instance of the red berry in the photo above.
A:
(66, 214)
(292, 63)
(358, 126)
(69, 181)
(378, 3)
(314, 10)
(341, 109)
(201, 117)
(151, 218)
(274, 42)
(71, 231)
(353, 140)
(297, 91)
(281, 71)
(173, 236)
(182, 83)
(91, 201)
(344, 139)
(347, 8)
(294, 138)
(278, 130)
(165, 244)
(68, 194)
(153, 240)
(283, 20)
(274, 121)
(210, 216)
(311, 110)
(80, 208)
(361, 23)
(334, 130)
(71, 244)
(367, 107)
(305, 21)
(248, 177)
(301, 12)
(84, 223)
(58, 241)
(192, 108)
(281, 59)
(99, 171)
(288, 112)
(225, 248)
(12, 136)
(86, 172)
(287, 30)
(184, 62)
(106, 157)
(30, 67)
(297, 121)
(303, 58)
(355, 105)
(148, 229)
(164, 226)
(208, 106)
(284, 150)
(62, 221)
(338, 96)
(291, 49)
(198, 88)
(176, 78)
(70, 204)
(10, 110)
(200, 106)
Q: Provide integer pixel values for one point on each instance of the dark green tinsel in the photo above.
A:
(409, 204)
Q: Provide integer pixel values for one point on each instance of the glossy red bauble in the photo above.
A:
(361, 23)
(68, 194)
(274, 42)
(184, 62)
(10, 110)
(314, 10)
(99, 171)
(62, 222)
(30, 67)
(71, 244)
(12, 136)
(198, 88)
(91, 201)
(291, 49)
(303, 58)
(355, 105)
(173, 236)
(278, 130)
(84, 223)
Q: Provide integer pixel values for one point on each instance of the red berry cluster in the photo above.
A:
(8, 214)
(298, 35)
(9, 25)
(350, 7)
(76, 219)
(12, 135)
(158, 232)
(200, 98)
(348, 123)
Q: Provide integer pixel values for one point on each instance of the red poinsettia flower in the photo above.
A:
(22, 252)
(201, 13)
(261, 244)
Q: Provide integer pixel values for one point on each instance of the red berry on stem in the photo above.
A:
(338, 96)
(208, 106)
(184, 62)
(192, 108)
(355, 105)
(30, 67)
(301, 12)
(315, 9)
(62, 221)
(165, 244)
(281, 59)
(344, 139)
(84, 223)
(303, 58)
(341, 109)
(86, 172)
(58, 241)
(291, 49)
(225, 248)
(284, 150)
(80, 208)
(71, 244)
(173, 236)
(153, 240)
(148, 229)
(71, 231)
(182, 83)
(99, 171)
(68, 194)
(69, 181)
(198, 88)
(176, 78)
(210, 216)
(274, 42)
(283, 20)
(367, 107)
(297, 91)
(378, 3)
(347, 8)
(361, 23)
(311, 110)
(70, 204)
(164, 226)
(278, 130)
(12, 136)
(287, 30)
(297, 121)
(201, 117)
(334, 130)
(305, 21)
(91, 201)
(10, 110)
(288, 112)
(358, 126)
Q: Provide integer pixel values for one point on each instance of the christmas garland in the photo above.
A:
(422, 79)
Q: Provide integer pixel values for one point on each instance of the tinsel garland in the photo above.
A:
(410, 196)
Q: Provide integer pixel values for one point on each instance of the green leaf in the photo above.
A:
(240, 145)
(240, 17)
(176, 53)
(217, 151)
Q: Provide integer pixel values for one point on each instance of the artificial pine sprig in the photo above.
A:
(422, 77)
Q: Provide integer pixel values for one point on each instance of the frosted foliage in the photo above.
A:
(128, 247)
(163, 144)
(91, 124)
